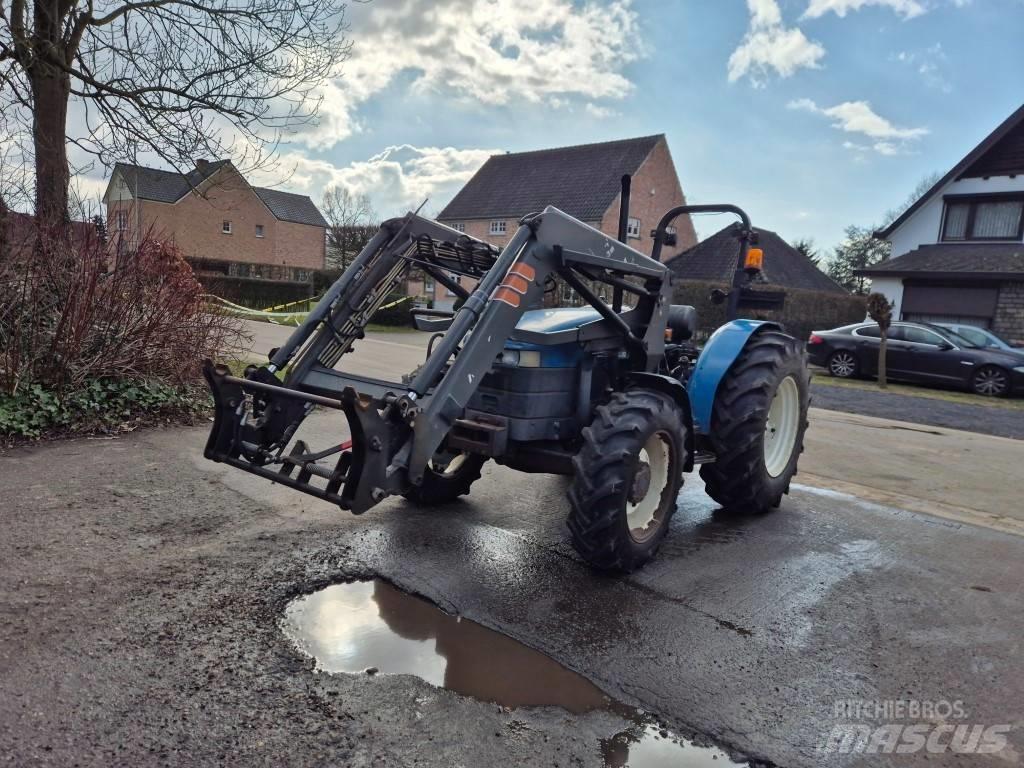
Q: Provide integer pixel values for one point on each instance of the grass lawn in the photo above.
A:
(821, 378)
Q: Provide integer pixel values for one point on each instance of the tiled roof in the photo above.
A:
(289, 207)
(170, 186)
(955, 258)
(582, 181)
(714, 260)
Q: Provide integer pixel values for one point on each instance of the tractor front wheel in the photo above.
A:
(757, 424)
(447, 477)
(627, 477)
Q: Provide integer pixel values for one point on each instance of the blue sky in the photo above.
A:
(811, 114)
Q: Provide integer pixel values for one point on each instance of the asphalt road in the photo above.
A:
(142, 591)
(143, 588)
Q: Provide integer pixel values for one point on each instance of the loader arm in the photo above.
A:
(397, 428)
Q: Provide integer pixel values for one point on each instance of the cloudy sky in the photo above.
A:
(812, 114)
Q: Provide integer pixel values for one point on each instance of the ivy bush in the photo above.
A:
(101, 405)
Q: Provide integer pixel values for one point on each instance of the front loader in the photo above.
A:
(612, 394)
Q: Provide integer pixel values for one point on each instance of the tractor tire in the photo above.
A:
(757, 424)
(627, 477)
(445, 483)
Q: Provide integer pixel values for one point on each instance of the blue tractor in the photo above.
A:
(612, 393)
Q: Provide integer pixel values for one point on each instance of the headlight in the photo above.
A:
(524, 358)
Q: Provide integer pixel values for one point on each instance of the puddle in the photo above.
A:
(373, 626)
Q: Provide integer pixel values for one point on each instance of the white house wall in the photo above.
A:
(892, 289)
(923, 227)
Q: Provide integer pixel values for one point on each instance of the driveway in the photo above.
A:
(143, 593)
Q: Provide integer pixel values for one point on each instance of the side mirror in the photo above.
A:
(945, 346)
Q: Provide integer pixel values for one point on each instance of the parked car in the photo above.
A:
(918, 352)
(983, 337)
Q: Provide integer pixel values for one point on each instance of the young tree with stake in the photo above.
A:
(880, 310)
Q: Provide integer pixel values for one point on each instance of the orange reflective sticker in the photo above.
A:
(507, 295)
(525, 270)
(517, 283)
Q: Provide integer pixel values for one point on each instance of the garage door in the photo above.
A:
(948, 303)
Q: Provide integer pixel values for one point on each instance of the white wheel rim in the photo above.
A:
(643, 514)
(781, 427)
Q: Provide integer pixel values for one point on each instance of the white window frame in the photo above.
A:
(225, 227)
(459, 226)
(633, 228)
(121, 220)
(497, 227)
(260, 231)
(448, 291)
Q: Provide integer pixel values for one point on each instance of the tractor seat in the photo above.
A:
(682, 321)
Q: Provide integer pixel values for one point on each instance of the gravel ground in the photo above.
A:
(989, 420)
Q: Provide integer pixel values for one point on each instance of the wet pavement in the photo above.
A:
(372, 627)
(143, 590)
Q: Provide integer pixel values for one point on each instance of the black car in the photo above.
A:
(918, 352)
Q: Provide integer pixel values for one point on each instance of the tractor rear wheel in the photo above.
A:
(627, 477)
(757, 424)
(447, 477)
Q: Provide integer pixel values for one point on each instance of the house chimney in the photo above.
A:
(202, 164)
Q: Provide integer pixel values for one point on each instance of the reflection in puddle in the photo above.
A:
(372, 625)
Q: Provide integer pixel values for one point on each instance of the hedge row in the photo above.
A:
(803, 312)
(256, 294)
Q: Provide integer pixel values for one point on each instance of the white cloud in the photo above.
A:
(491, 52)
(397, 179)
(859, 118)
(908, 9)
(770, 46)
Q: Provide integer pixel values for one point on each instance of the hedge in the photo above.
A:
(803, 312)
(253, 293)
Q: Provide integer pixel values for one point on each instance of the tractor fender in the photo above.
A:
(674, 389)
(718, 355)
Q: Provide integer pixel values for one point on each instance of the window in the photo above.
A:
(871, 331)
(461, 227)
(225, 227)
(633, 228)
(497, 228)
(122, 221)
(915, 335)
(983, 218)
(259, 229)
(428, 285)
(455, 277)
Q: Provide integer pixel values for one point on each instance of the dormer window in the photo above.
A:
(986, 217)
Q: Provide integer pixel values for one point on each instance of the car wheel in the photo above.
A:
(842, 364)
(991, 381)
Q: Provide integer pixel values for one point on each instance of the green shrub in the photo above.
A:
(101, 405)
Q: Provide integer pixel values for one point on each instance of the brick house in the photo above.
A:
(224, 225)
(583, 181)
(958, 251)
